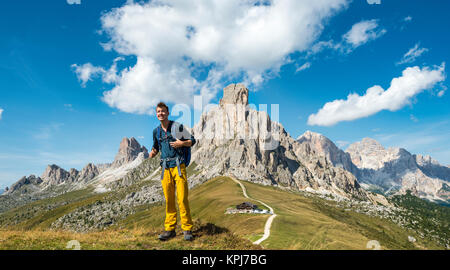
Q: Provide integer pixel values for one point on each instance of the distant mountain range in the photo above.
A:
(56, 180)
(386, 171)
(312, 162)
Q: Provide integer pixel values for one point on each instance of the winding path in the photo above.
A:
(269, 220)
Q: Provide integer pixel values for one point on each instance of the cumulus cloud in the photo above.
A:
(194, 47)
(412, 55)
(413, 81)
(407, 19)
(363, 32)
(1, 111)
(71, 2)
(372, 2)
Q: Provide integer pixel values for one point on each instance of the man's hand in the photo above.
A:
(179, 143)
(153, 153)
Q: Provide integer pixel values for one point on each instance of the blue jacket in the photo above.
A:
(168, 151)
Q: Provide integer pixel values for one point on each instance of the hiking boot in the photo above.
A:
(166, 235)
(188, 236)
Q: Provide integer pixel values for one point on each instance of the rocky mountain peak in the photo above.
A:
(309, 135)
(432, 167)
(425, 160)
(370, 143)
(234, 94)
(313, 137)
(54, 175)
(88, 172)
(319, 144)
(323, 146)
(24, 181)
(129, 149)
(396, 168)
(246, 144)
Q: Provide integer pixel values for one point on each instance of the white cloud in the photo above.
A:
(408, 19)
(1, 111)
(303, 67)
(371, 2)
(413, 81)
(234, 39)
(412, 54)
(86, 72)
(360, 33)
(441, 93)
(71, 2)
(322, 45)
(363, 32)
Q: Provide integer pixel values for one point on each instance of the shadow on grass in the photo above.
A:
(208, 229)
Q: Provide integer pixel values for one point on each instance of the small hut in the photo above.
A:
(246, 206)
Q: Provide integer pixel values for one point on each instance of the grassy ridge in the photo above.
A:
(30, 215)
(314, 223)
(208, 237)
(208, 203)
(213, 229)
(302, 222)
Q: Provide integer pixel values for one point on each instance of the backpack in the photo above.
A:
(184, 152)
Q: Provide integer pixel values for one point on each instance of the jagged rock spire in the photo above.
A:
(129, 149)
(234, 94)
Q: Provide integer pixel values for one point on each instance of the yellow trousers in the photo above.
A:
(170, 180)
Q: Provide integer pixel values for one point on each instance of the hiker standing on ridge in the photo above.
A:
(174, 142)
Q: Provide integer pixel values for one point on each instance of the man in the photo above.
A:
(171, 139)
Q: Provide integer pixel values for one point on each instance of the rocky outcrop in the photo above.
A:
(235, 140)
(31, 181)
(54, 175)
(88, 172)
(432, 168)
(234, 94)
(396, 170)
(129, 149)
(321, 145)
(55, 180)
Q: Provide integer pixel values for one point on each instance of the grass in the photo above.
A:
(212, 228)
(208, 203)
(312, 223)
(207, 236)
(31, 214)
(301, 223)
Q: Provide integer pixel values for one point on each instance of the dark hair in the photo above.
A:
(162, 105)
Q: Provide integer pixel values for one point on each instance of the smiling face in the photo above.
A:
(162, 113)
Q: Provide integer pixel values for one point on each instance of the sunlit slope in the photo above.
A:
(302, 222)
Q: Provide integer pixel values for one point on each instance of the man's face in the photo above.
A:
(162, 113)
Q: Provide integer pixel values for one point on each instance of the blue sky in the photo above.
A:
(53, 113)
